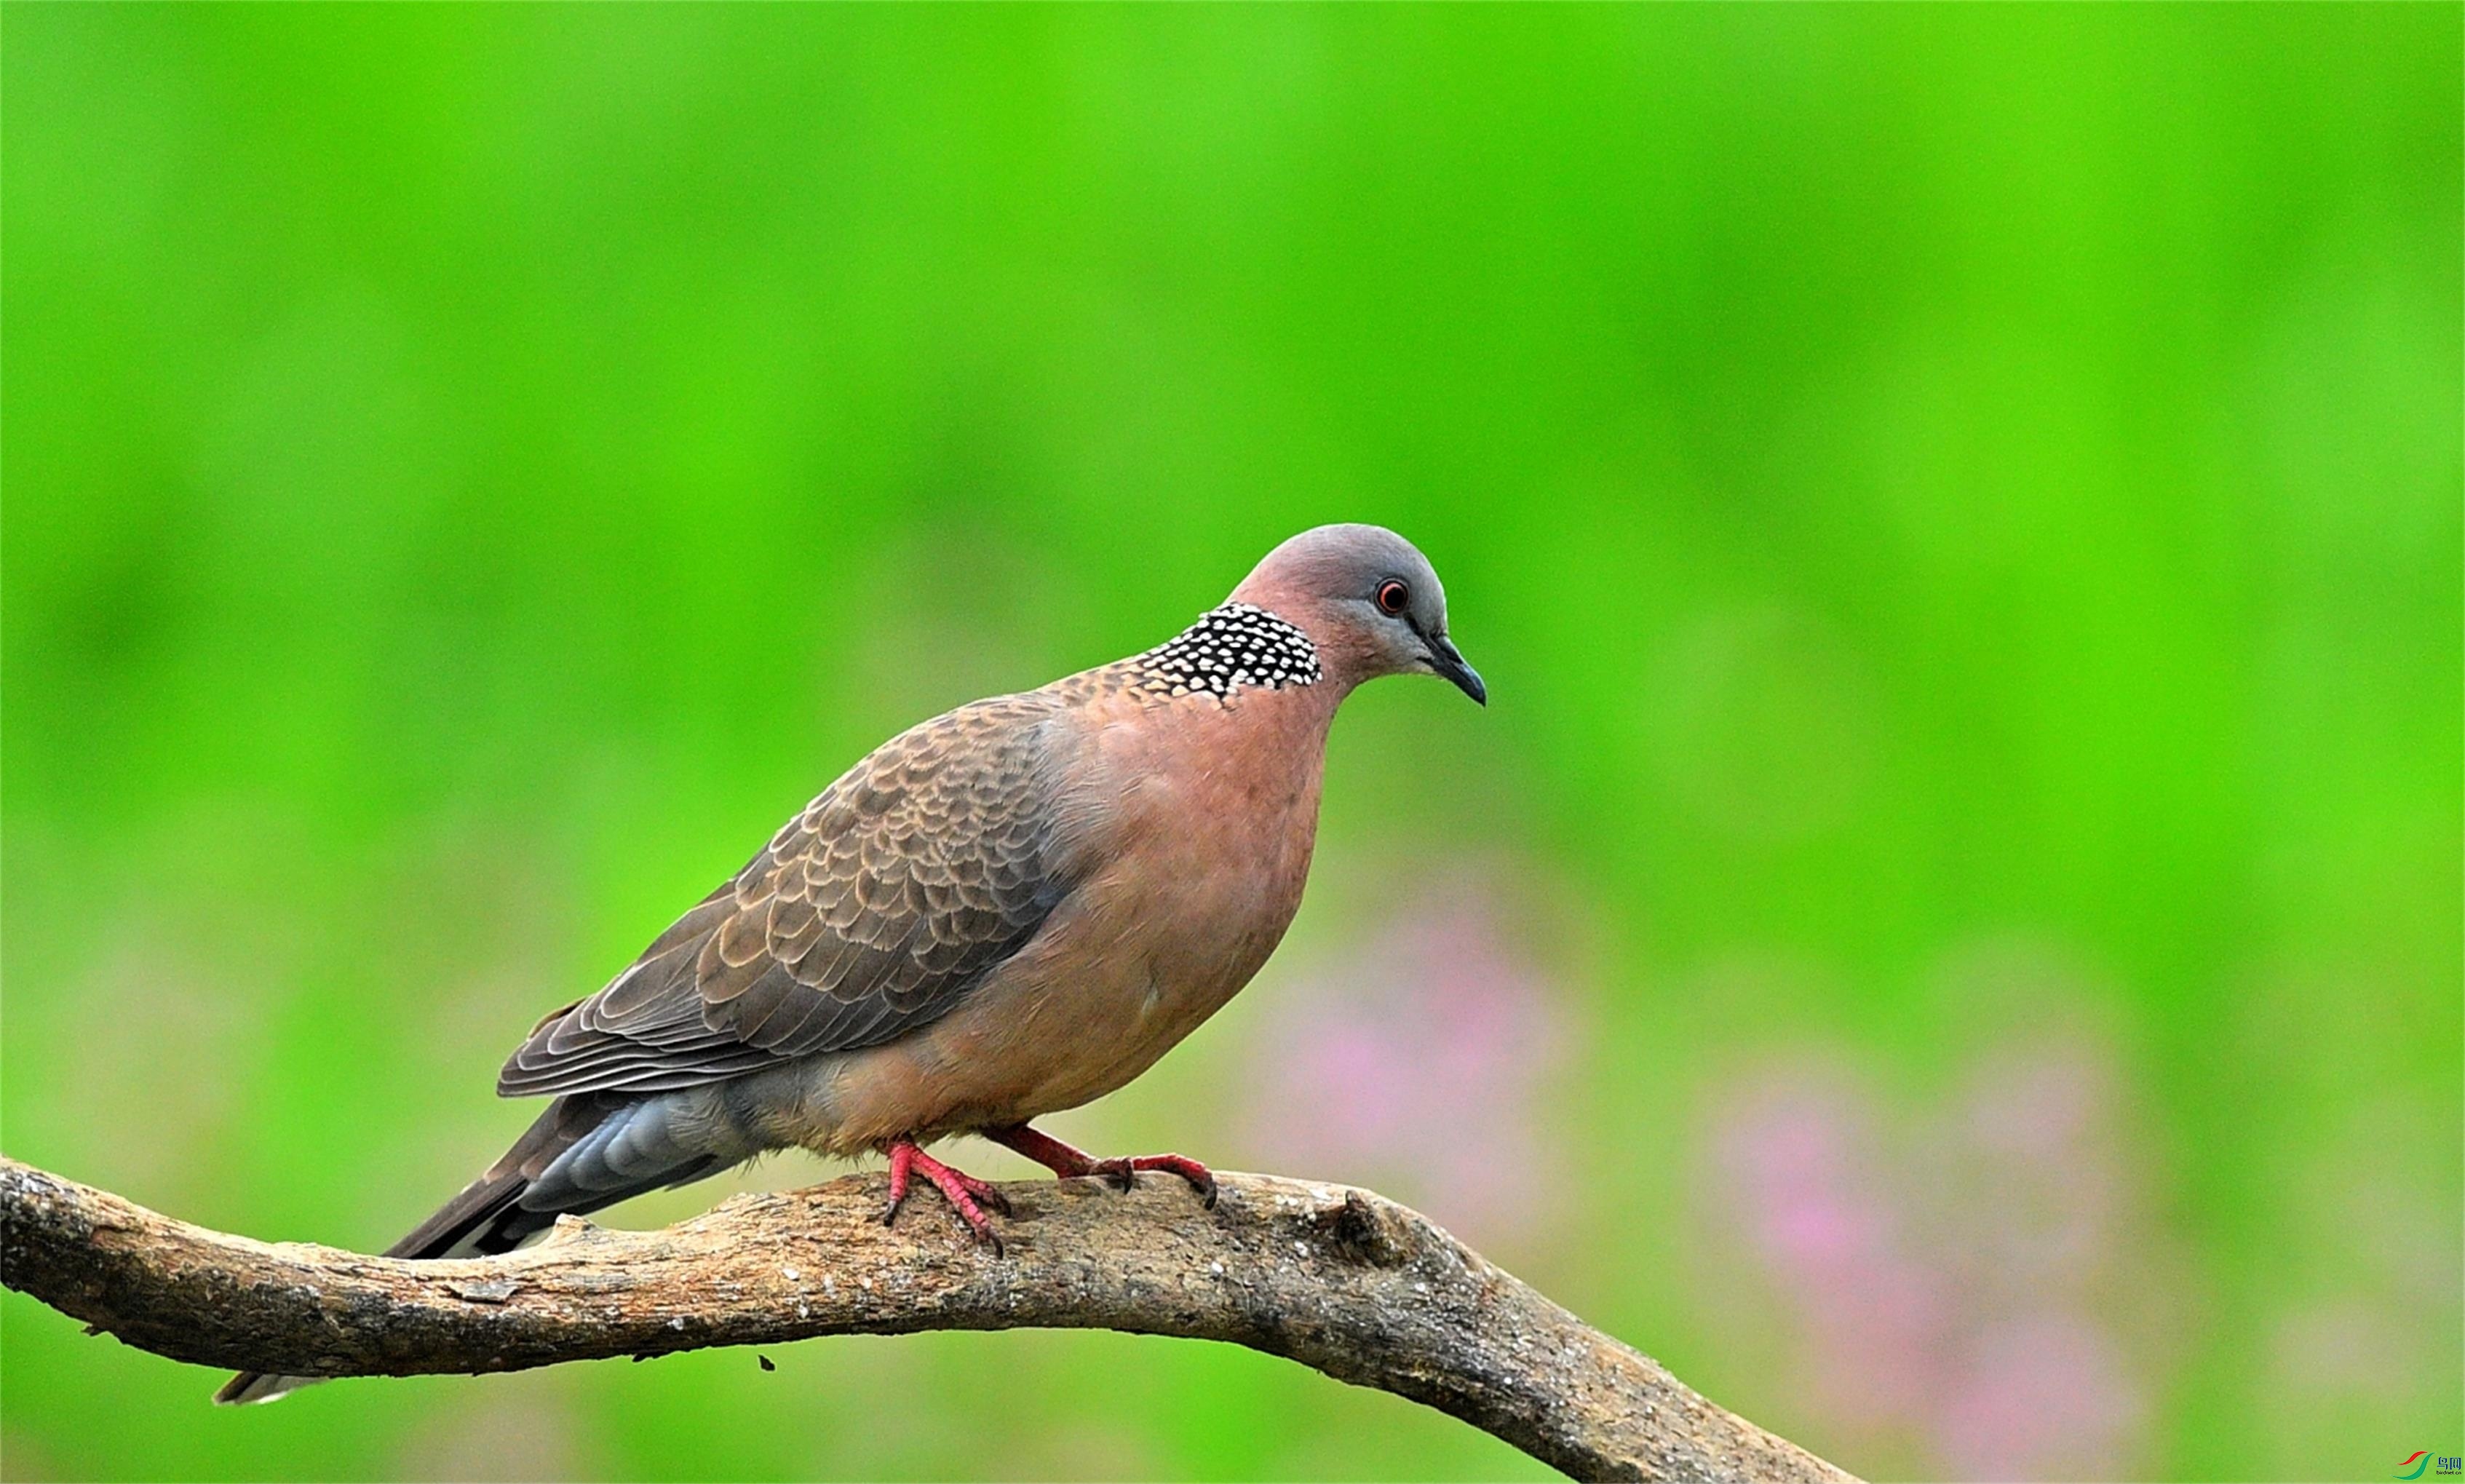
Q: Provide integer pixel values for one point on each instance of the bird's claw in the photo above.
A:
(967, 1195)
(1123, 1173)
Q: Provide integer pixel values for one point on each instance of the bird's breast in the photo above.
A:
(1206, 852)
(1191, 846)
(1220, 819)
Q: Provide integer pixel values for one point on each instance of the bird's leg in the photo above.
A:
(1066, 1161)
(964, 1192)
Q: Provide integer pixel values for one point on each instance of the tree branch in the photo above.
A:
(1339, 1279)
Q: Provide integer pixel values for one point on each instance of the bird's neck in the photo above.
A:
(1343, 658)
(1235, 648)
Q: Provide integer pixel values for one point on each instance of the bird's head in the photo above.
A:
(1369, 601)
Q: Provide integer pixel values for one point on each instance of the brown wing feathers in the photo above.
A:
(871, 912)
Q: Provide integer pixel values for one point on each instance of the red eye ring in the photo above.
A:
(1392, 597)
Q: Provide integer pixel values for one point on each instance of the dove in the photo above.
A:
(1002, 913)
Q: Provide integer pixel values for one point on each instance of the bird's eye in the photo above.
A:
(1392, 596)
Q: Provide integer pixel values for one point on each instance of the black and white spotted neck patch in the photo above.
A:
(1236, 645)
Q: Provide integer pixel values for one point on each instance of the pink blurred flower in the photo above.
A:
(1946, 1286)
(1418, 1061)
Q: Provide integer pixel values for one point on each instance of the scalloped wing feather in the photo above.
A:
(871, 912)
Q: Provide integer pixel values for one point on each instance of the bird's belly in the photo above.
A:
(1088, 1008)
(1097, 1043)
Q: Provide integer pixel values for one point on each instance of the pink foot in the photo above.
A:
(1124, 1172)
(1066, 1162)
(964, 1192)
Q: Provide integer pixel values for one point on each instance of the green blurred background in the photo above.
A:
(1947, 935)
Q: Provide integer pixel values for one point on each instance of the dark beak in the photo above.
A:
(1449, 661)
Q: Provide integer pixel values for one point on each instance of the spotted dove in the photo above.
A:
(1006, 911)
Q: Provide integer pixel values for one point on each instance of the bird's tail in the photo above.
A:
(586, 1151)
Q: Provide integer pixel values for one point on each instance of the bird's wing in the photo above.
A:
(872, 913)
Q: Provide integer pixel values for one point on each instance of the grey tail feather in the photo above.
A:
(490, 1217)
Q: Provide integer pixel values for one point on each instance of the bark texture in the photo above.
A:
(1339, 1279)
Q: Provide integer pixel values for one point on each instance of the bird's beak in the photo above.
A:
(1449, 661)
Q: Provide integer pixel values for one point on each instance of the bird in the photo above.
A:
(1002, 913)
